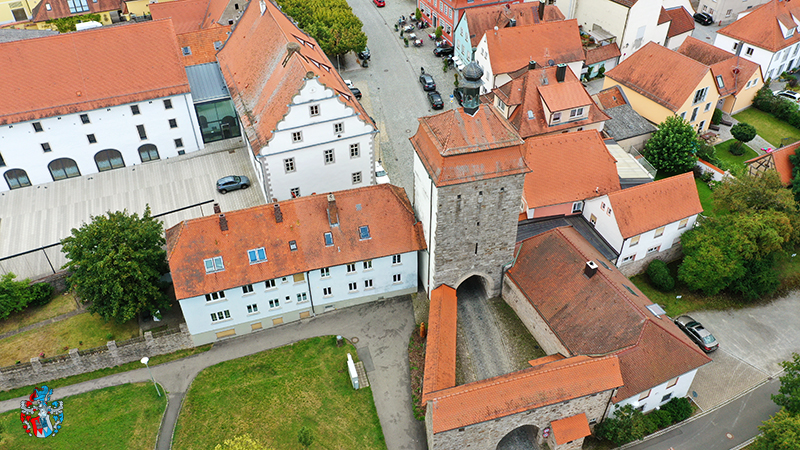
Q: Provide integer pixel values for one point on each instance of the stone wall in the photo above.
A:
(538, 328)
(482, 213)
(83, 361)
(639, 266)
(486, 435)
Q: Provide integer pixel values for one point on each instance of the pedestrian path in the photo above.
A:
(65, 316)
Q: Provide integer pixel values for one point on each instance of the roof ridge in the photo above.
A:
(644, 186)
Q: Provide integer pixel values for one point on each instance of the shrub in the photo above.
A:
(717, 116)
(736, 148)
(659, 276)
(679, 409)
(627, 425)
(660, 418)
(743, 132)
(601, 71)
(41, 294)
(707, 152)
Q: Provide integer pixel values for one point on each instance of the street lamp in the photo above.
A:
(145, 360)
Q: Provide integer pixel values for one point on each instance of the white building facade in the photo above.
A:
(656, 396)
(772, 63)
(82, 143)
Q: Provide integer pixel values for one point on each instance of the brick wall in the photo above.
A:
(531, 319)
(78, 362)
(639, 266)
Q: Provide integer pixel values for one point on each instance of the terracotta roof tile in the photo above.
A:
(602, 53)
(83, 70)
(780, 158)
(546, 359)
(722, 64)
(203, 44)
(60, 9)
(567, 168)
(682, 21)
(663, 17)
(527, 389)
(186, 15)
(512, 48)
(440, 346)
(651, 205)
(261, 86)
(523, 92)
(570, 428)
(760, 27)
(384, 208)
(216, 8)
(549, 271)
(625, 3)
(611, 97)
(563, 96)
(662, 75)
(485, 18)
(456, 147)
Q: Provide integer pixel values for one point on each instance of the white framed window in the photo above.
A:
(397, 259)
(252, 309)
(653, 249)
(302, 297)
(367, 265)
(325, 272)
(294, 192)
(659, 232)
(313, 110)
(297, 136)
(257, 255)
(167, 104)
(355, 150)
(220, 315)
(351, 268)
(629, 258)
(274, 303)
(708, 106)
(352, 287)
(577, 112)
(247, 289)
(749, 52)
(577, 207)
(700, 95)
(603, 206)
(269, 284)
(338, 128)
(556, 117)
(634, 241)
(328, 156)
(683, 223)
(368, 284)
(694, 115)
(666, 397)
(357, 178)
(219, 295)
(683, 115)
(397, 278)
(328, 239)
(214, 264)
(327, 292)
(288, 165)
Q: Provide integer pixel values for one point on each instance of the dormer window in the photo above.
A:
(577, 112)
(790, 33)
(257, 255)
(720, 82)
(556, 117)
(214, 264)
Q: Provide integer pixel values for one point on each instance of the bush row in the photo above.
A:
(630, 424)
(779, 107)
(18, 295)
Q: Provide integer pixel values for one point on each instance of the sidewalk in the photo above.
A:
(382, 329)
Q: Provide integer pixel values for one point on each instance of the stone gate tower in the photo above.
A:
(469, 172)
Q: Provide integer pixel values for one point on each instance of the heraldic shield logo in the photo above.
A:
(39, 418)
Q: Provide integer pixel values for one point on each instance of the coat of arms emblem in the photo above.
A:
(39, 417)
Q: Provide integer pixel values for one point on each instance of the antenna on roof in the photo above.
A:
(291, 48)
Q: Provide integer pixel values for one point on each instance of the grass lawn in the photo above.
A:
(768, 127)
(729, 158)
(52, 339)
(61, 304)
(272, 394)
(123, 417)
(75, 379)
(704, 192)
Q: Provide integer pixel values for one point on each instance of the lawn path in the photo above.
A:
(44, 323)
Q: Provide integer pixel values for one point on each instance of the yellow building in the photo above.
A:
(15, 11)
(660, 82)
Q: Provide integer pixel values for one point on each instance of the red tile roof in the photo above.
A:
(525, 390)
(564, 96)
(549, 270)
(760, 27)
(567, 168)
(203, 44)
(384, 208)
(457, 148)
(625, 3)
(660, 74)
(722, 64)
(682, 21)
(261, 85)
(545, 359)
(216, 8)
(83, 70)
(781, 159)
(186, 15)
(440, 346)
(570, 428)
(663, 16)
(611, 97)
(485, 18)
(601, 53)
(512, 48)
(523, 93)
(60, 9)
(652, 205)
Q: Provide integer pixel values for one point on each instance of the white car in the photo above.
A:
(790, 95)
(380, 174)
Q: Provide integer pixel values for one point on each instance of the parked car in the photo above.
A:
(364, 54)
(697, 333)
(458, 95)
(379, 3)
(791, 95)
(435, 99)
(443, 51)
(703, 18)
(354, 90)
(232, 183)
(427, 82)
(380, 174)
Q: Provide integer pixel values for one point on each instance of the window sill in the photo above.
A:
(353, 292)
(352, 273)
(275, 308)
(327, 296)
(369, 288)
(253, 313)
(212, 302)
(223, 320)
(302, 301)
(368, 270)
(249, 294)
(271, 289)
(397, 282)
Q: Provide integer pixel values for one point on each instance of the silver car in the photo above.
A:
(232, 183)
(697, 333)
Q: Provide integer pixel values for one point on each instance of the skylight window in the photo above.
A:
(257, 255)
(363, 232)
(328, 239)
(630, 290)
(292, 245)
(214, 264)
(720, 83)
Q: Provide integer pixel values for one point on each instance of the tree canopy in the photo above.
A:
(743, 132)
(331, 22)
(780, 432)
(789, 393)
(115, 262)
(672, 148)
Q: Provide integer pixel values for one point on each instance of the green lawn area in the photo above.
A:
(53, 338)
(123, 417)
(704, 192)
(272, 394)
(768, 127)
(61, 304)
(729, 158)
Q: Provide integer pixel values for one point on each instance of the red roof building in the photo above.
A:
(777, 160)
(199, 36)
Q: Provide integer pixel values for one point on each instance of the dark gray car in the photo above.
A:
(232, 183)
(697, 333)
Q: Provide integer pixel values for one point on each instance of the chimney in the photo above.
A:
(590, 269)
(278, 213)
(541, 10)
(531, 65)
(561, 71)
(333, 211)
(223, 222)
(217, 210)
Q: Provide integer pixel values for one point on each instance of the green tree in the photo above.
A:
(418, 14)
(67, 24)
(18, 295)
(627, 425)
(244, 442)
(438, 33)
(673, 146)
(305, 437)
(759, 193)
(789, 393)
(780, 432)
(116, 262)
(743, 132)
(795, 160)
(331, 22)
